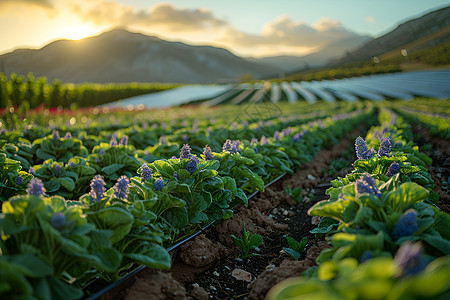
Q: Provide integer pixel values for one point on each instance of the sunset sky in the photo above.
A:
(247, 28)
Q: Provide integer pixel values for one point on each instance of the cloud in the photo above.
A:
(369, 19)
(160, 15)
(41, 3)
(284, 31)
(194, 24)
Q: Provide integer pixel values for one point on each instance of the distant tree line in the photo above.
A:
(30, 92)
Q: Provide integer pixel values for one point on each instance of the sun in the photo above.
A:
(78, 32)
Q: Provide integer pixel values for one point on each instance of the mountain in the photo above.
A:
(432, 29)
(123, 56)
(317, 59)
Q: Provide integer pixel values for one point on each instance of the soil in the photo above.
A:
(209, 266)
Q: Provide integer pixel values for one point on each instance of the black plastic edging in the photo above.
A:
(173, 247)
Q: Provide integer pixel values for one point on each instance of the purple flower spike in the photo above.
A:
(276, 136)
(113, 142)
(36, 188)
(207, 154)
(159, 184)
(146, 172)
(97, 188)
(68, 135)
(406, 225)
(55, 134)
(254, 141)
(102, 151)
(124, 141)
(18, 180)
(31, 170)
(192, 166)
(296, 137)
(121, 187)
(409, 259)
(393, 169)
(185, 151)
(58, 220)
(385, 147)
(228, 146)
(367, 185)
(362, 152)
(263, 140)
(57, 170)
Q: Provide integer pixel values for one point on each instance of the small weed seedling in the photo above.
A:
(295, 193)
(295, 247)
(247, 243)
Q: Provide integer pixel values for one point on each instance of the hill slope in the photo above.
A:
(122, 56)
(429, 30)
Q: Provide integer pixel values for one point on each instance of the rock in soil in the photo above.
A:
(201, 252)
(156, 285)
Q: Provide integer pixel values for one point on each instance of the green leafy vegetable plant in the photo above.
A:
(247, 242)
(295, 247)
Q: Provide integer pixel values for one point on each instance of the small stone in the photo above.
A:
(215, 273)
(287, 219)
(304, 193)
(195, 285)
(270, 267)
(257, 249)
(275, 211)
(227, 267)
(238, 259)
(315, 220)
(291, 213)
(211, 287)
(306, 200)
(243, 275)
(310, 177)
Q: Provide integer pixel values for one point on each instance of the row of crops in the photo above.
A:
(91, 194)
(393, 86)
(30, 92)
(388, 239)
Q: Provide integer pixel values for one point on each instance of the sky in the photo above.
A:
(247, 28)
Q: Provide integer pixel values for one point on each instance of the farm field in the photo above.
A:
(267, 190)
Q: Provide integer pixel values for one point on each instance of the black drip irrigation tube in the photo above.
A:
(173, 247)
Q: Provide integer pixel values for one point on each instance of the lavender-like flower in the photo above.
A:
(55, 134)
(406, 225)
(68, 135)
(362, 152)
(185, 152)
(58, 220)
(393, 169)
(162, 140)
(113, 142)
(367, 185)
(185, 138)
(296, 137)
(124, 141)
(385, 147)
(287, 131)
(72, 164)
(409, 259)
(254, 141)
(102, 151)
(192, 166)
(31, 171)
(97, 188)
(228, 146)
(235, 146)
(57, 170)
(159, 184)
(121, 187)
(18, 180)
(385, 130)
(146, 172)
(207, 154)
(263, 140)
(97, 159)
(36, 188)
(276, 136)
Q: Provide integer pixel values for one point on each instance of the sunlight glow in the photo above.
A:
(78, 32)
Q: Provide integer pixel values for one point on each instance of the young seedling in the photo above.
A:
(247, 243)
(295, 193)
(295, 247)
